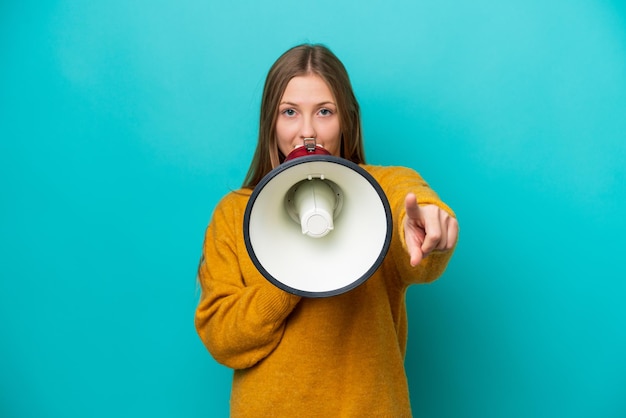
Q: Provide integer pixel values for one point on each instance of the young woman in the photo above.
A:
(341, 356)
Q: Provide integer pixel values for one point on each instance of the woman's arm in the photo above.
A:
(241, 316)
(426, 229)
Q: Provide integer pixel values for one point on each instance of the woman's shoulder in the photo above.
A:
(235, 197)
(383, 173)
(233, 202)
(228, 212)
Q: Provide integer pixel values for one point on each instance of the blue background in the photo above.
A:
(122, 123)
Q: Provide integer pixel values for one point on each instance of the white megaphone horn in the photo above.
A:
(317, 225)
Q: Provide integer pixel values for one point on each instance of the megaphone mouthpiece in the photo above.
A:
(308, 148)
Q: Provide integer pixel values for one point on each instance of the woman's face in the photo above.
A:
(308, 110)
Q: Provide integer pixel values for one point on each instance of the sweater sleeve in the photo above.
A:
(241, 316)
(397, 182)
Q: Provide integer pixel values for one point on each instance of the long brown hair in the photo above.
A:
(298, 61)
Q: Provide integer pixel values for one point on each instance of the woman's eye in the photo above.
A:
(289, 112)
(325, 112)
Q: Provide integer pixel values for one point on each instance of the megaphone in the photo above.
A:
(317, 225)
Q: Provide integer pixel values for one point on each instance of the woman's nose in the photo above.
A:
(307, 130)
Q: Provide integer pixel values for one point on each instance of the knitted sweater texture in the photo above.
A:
(341, 356)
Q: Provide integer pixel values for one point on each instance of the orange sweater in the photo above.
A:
(341, 356)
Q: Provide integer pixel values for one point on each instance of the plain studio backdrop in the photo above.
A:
(122, 123)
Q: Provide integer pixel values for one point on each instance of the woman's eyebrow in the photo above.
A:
(318, 104)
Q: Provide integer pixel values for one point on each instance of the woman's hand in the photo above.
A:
(427, 228)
